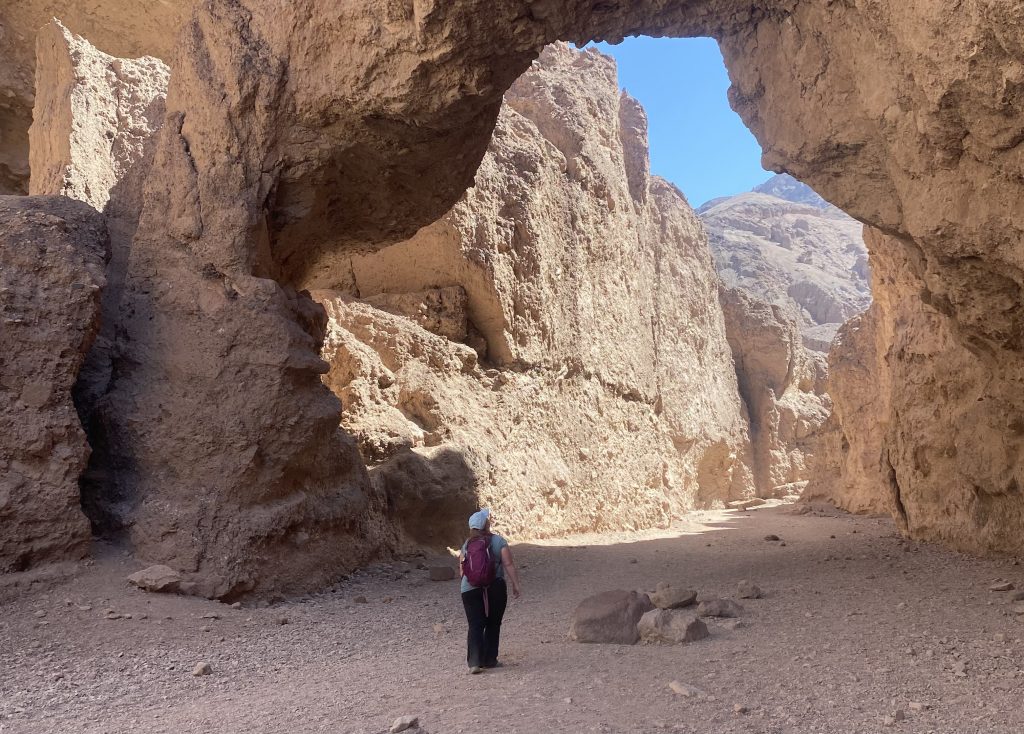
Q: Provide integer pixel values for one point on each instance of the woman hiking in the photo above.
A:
(483, 563)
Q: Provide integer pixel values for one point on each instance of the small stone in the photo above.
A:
(40, 613)
(916, 706)
(441, 573)
(566, 700)
(685, 690)
(633, 560)
(202, 669)
(360, 600)
(739, 708)
(888, 721)
(999, 637)
(748, 590)
(237, 605)
(210, 615)
(84, 608)
(156, 578)
(772, 537)
(672, 597)
(282, 620)
(898, 715)
(386, 600)
(1001, 586)
(719, 608)
(671, 626)
(403, 723)
(439, 629)
(1017, 595)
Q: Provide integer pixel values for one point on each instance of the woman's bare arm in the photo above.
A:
(511, 570)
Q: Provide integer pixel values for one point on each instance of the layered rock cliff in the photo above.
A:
(297, 132)
(782, 386)
(784, 244)
(561, 355)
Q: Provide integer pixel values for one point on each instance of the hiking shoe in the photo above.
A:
(495, 664)
(476, 669)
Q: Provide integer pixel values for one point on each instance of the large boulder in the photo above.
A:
(53, 252)
(609, 617)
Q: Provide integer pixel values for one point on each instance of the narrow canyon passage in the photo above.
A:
(856, 625)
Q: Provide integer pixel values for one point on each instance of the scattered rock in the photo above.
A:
(1001, 586)
(282, 620)
(739, 708)
(672, 597)
(671, 626)
(202, 669)
(685, 690)
(748, 590)
(404, 723)
(746, 504)
(237, 605)
(772, 537)
(1017, 595)
(361, 600)
(609, 617)
(719, 608)
(916, 706)
(441, 573)
(156, 578)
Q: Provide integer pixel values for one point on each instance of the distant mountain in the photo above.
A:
(786, 187)
(784, 244)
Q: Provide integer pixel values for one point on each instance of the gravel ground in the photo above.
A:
(858, 631)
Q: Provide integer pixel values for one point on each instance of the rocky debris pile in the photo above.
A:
(53, 252)
(663, 616)
(783, 388)
(785, 245)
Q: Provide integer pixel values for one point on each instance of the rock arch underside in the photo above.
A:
(297, 136)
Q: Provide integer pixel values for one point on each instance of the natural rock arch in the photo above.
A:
(296, 129)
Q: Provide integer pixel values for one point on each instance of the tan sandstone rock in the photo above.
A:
(782, 385)
(52, 256)
(671, 626)
(291, 140)
(610, 617)
(614, 404)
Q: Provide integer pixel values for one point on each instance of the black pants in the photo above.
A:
(484, 629)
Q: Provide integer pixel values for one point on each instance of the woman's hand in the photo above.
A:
(515, 591)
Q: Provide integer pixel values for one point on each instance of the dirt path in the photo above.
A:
(853, 629)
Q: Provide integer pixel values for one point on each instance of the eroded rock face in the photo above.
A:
(782, 385)
(591, 287)
(930, 415)
(849, 467)
(291, 139)
(783, 244)
(52, 256)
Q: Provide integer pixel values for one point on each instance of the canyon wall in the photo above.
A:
(53, 253)
(568, 364)
(782, 386)
(299, 133)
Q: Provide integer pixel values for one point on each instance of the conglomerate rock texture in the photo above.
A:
(52, 256)
(782, 386)
(782, 243)
(296, 131)
(590, 285)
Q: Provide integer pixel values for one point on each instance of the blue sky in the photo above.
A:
(697, 141)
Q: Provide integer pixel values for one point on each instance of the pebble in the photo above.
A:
(1017, 595)
(771, 537)
(202, 669)
(282, 620)
(403, 723)
(739, 708)
(749, 590)
(916, 706)
(361, 600)
(1001, 586)
(237, 605)
(685, 690)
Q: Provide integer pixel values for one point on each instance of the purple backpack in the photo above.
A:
(479, 565)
